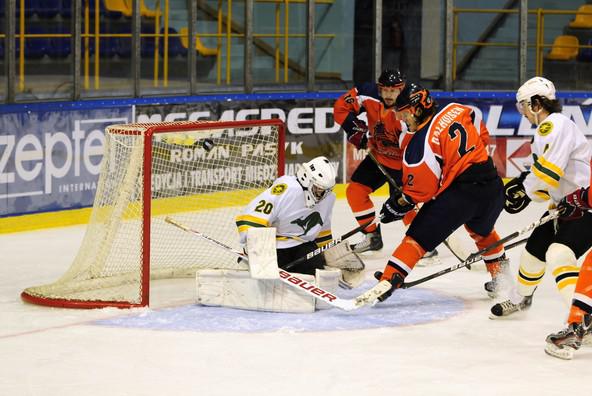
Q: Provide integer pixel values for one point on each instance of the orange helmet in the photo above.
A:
(417, 100)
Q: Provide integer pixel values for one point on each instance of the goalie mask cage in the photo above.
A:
(153, 170)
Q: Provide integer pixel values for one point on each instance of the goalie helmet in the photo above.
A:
(317, 178)
(417, 100)
(536, 86)
(391, 78)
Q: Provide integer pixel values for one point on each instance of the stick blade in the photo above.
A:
(371, 296)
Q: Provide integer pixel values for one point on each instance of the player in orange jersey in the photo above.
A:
(579, 329)
(381, 136)
(446, 166)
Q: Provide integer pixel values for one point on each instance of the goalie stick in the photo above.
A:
(453, 246)
(294, 281)
(329, 245)
(475, 257)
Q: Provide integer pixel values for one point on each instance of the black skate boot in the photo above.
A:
(371, 241)
(506, 308)
(563, 343)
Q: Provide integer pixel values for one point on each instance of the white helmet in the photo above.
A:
(317, 178)
(535, 86)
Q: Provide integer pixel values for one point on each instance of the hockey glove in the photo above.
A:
(395, 208)
(516, 197)
(356, 130)
(396, 281)
(573, 205)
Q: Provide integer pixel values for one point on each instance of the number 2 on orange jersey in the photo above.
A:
(456, 130)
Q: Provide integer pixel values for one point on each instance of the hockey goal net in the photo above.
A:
(201, 173)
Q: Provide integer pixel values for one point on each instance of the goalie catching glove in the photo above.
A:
(395, 208)
(515, 194)
(393, 277)
(573, 205)
(356, 131)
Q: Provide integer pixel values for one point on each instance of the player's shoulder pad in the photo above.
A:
(278, 188)
(414, 151)
(545, 128)
(285, 185)
(554, 122)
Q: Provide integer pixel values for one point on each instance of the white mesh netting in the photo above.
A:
(204, 189)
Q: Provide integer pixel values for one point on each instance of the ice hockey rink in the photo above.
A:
(433, 339)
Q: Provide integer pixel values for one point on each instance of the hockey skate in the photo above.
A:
(565, 342)
(496, 284)
(371, 241)
(506, 308)
(429, 258)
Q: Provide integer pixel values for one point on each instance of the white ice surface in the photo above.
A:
(159, 351)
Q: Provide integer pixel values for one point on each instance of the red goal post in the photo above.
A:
(201, 172)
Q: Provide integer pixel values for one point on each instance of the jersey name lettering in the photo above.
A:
(444, 122)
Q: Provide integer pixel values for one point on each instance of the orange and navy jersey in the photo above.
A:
(406, 135)
(384, 128)
(441, 150)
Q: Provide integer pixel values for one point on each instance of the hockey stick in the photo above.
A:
(475, 257)
(293, 280)
(394, 184)
(507, 247)
(329, 245)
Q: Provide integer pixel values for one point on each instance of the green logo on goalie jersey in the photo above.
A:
(309, 222)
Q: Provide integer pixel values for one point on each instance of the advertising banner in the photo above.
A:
(310, 128)
(50, 160)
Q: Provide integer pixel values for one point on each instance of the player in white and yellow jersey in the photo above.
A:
(578, 332)
(561, 156)
(299, 207)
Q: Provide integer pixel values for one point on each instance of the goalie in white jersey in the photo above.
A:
(300, 208)
(561, 157)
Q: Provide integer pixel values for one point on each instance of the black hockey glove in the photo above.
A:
(396, 281)
(573, 205)
(395, 208)
(356, 130)
(516, 198)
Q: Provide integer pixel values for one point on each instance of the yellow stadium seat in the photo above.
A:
(564, 48)
(202, 49)
(582, 20)
(118, 5)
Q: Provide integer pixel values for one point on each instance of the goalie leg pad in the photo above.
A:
(261, 247)
(327, 279)
(236, 289)
(563, 264)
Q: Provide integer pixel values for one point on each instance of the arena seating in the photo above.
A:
(565, 47)
(52, 55)
(583, 19)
